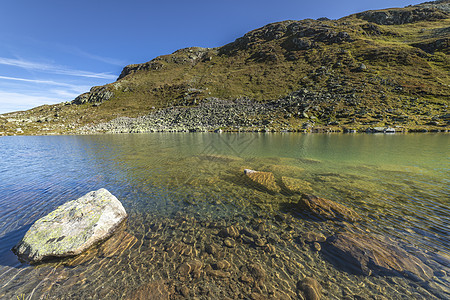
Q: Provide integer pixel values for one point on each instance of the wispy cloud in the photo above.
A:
(35, 92)
(65, 94)
(73, 87)
(10, 102)
(82, 53)
(54, 69)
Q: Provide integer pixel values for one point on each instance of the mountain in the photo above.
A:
(383, 68)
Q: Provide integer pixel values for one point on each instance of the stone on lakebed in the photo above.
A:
(326, 209)
(264, 180)
(364, 254)
(72, 227)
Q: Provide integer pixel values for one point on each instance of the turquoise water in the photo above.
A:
(180, 189)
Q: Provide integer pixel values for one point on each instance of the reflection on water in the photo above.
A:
(184, 192)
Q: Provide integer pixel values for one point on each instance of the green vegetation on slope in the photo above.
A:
(393, 64)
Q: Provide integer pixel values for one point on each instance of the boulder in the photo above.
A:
(72, 228)
(264, 180)
(366, 254)
(326, 208)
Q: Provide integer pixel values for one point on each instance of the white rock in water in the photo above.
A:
(72, 228)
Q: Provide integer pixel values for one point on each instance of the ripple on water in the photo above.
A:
(181, 201)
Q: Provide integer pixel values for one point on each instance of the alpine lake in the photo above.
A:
(199, 228)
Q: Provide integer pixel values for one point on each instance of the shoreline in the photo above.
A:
(313, 131)
(290, 114)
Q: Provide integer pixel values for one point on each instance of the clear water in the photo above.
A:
(180, 190)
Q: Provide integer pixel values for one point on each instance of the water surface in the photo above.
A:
(181, 190)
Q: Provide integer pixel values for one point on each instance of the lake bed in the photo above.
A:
(198, 228)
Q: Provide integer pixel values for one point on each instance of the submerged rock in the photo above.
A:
(326, 208)
(309, 288)
(312, 237)
(156, 290)
(295, 185)
(72, 228)
(363, 253)
(265, 180)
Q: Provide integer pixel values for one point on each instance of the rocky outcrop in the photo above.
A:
(97, 95)
(296, 35)
(327, 209)
(443, 5)
(187, 55)
(265, 180)
(434, 45)
(367, 254)
(403, 16)
(72, 228)
(154, 64)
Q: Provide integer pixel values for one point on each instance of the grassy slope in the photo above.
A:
(401, 85)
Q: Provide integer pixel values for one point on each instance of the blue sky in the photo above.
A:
(51, 51)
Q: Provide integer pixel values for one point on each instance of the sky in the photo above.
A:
(51, 50)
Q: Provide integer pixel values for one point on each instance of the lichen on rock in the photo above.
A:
(72, 228)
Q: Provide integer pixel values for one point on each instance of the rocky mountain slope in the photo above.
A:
(384, 68)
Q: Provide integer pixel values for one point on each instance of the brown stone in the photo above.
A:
(261, 242)
(229, 242)
(270, 248)
(230, 231)
(212, 249)
(295, 185)
(310, 288)
(317, 246)
(223, 264)
(245, 278)
(114, 246)
(326, 208)
(117, 244)
(190, 267)
(280, 295)
(313, 237)
(217, 273)
(250, 233)
(257, 296)
(264, 180)
(365, 254)
(156, 290)
(257, 271)
(184, 290)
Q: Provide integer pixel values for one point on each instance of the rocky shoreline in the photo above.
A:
(295, 113)
(302, 111)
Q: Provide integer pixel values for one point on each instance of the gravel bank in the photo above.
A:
(228, 115)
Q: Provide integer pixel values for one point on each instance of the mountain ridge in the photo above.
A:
(379, 68)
